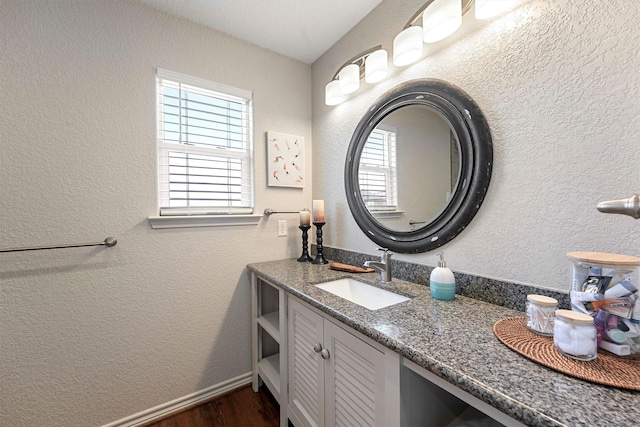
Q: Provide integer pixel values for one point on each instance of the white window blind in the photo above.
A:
(377, 172)
(205, 147)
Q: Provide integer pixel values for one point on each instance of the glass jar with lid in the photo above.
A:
(574, 335)
(540, 311)
(601, 276)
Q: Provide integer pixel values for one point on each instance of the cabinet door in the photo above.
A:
(306, 366)
(354, 380)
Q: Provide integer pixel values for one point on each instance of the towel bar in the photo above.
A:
(108, 242)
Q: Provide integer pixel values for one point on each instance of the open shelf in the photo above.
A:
(269, 341)
(429, 400)
(270, 323)
(269, 371)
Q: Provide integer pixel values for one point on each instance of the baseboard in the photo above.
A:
(179, 404)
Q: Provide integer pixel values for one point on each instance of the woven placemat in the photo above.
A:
(608, 368)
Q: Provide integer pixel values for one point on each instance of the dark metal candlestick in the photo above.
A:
(319, 256)
(305, 239)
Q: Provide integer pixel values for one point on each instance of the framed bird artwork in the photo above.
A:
(285, 160)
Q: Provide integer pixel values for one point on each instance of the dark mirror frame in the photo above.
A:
(476, 160)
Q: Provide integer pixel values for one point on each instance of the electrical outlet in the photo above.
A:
(282, 227)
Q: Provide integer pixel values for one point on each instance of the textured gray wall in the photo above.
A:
(558, 82)
(90, 336)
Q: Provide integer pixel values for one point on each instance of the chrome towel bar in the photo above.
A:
(269, 212)
(108, 242)
(629, 206)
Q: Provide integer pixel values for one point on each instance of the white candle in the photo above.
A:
(305, 217)
(318, 211)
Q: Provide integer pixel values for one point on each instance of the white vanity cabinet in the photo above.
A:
(324, 373)
(338, 377)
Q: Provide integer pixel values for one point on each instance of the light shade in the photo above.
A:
(441, 19)
(349, 78)
(332, 94)
(407, 46)
(486, 9)
(376, 66)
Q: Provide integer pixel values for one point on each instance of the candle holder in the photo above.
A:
(319, 256)
(305, 239)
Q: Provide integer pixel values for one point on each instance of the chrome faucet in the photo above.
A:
(383, 266)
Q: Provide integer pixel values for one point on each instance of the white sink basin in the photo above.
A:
(362, 294)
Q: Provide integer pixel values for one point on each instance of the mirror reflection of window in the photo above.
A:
(378, 171)
(412, 152)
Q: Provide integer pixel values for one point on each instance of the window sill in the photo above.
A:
(188, 221)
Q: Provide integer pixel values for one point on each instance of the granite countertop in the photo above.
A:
(455, 340)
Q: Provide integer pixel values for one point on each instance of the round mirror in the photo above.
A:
(418, 166)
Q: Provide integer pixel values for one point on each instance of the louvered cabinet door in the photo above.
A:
(354, 380)
(306, 366)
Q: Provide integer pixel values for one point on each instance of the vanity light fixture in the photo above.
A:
(440, 19)
(372, 64)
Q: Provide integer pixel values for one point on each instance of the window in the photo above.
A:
(205, 147)
(377, 173)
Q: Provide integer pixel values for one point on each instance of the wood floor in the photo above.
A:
(240, 408)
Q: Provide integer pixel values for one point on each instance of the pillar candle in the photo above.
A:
(318, 211)
(305, 217)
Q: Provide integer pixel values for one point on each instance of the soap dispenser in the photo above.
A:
(442, 282)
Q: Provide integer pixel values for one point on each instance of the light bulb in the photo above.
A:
(349, 78)
(441, 19)
(332, 94)
(407, 46)
(376, 66)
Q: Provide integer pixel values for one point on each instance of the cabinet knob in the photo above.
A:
(317, 348)
(324, 353)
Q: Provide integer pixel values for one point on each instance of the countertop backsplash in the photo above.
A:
(498, 292)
